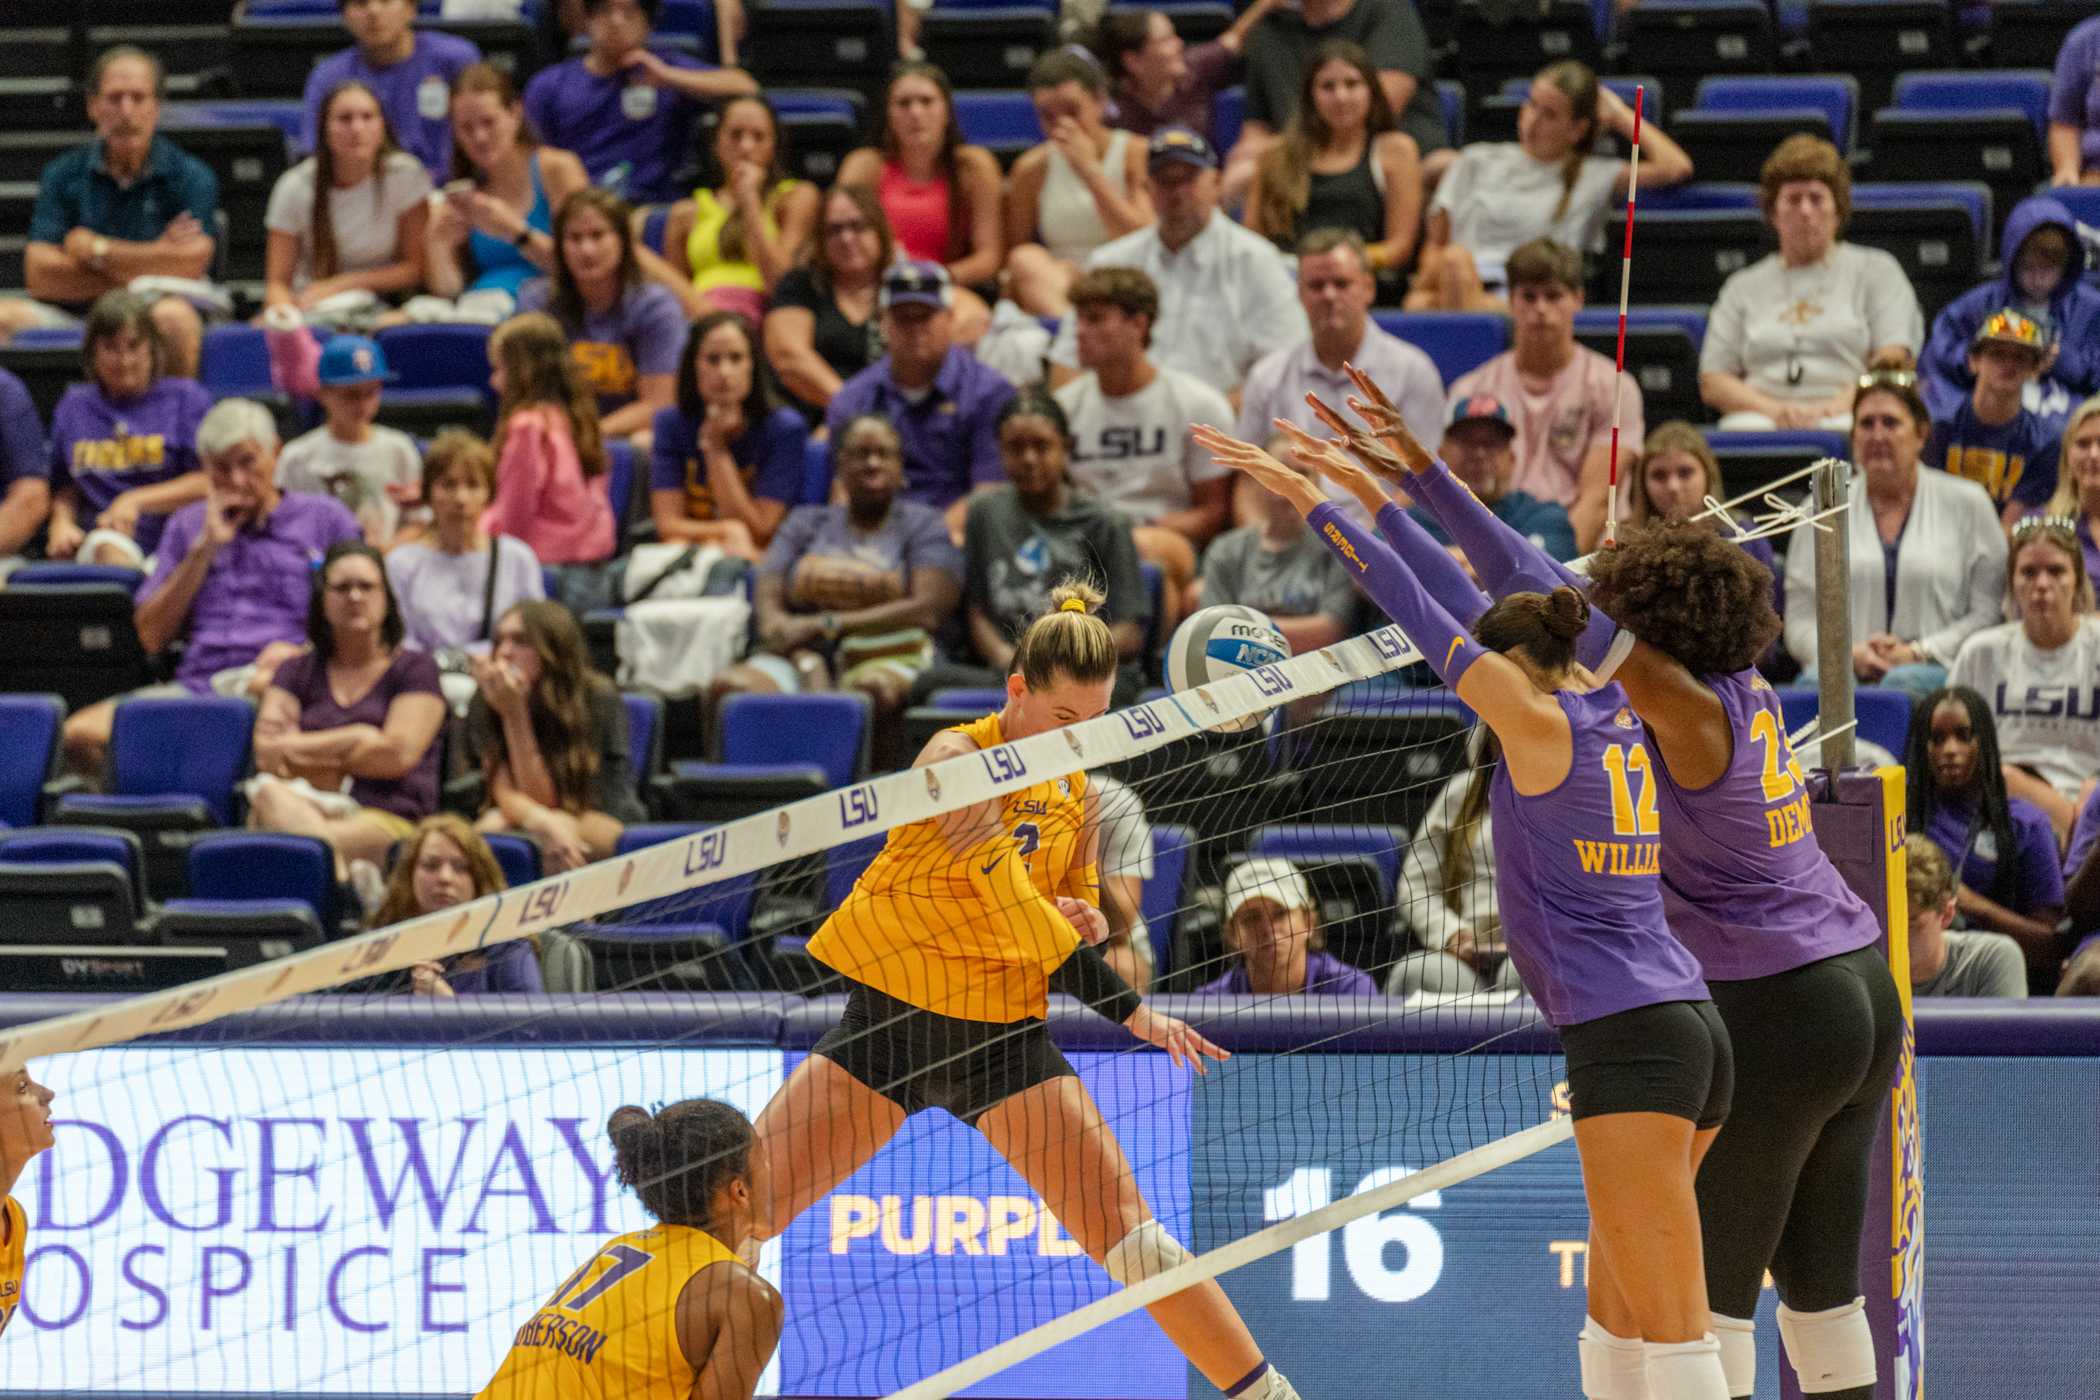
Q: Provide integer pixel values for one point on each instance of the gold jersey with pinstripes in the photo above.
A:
(610, 1332)
(14, 1249)
(974, 936)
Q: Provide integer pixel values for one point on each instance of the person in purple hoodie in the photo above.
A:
(445, 862)
(1272, 933)
(2042, 280)
(1577, 879)
(123, 443)
(411, 70)
(1788, 950)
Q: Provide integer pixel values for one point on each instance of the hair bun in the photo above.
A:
(1567, 613)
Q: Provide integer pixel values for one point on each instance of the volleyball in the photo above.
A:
(1215, 643)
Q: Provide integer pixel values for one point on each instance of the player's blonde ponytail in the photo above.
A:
(1069, 640)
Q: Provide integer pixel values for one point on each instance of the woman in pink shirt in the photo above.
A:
(549, 452)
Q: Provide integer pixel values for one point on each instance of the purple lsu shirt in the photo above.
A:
(1745, 884)
(1577, 873)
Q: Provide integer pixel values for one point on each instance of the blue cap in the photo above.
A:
(352, 359)
(916, 284)
(1180, 143)
(1482, 408)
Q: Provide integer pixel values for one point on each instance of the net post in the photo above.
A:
(1832, 486)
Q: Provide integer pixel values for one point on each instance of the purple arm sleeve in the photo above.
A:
(1443, 641)
(1506, 561)
(1431, 564)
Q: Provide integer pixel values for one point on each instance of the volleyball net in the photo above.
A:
(298, 1177)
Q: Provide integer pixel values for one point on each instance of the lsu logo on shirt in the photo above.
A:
(608, 369)
(1996, 472)
(122, 453)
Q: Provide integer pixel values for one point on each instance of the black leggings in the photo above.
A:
(1784, 1186)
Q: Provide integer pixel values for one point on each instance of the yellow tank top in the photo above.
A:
(610, 1332)
(974, 936)
(703, 246)
(13, 1250)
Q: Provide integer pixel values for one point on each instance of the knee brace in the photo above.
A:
(1145, 1252)
(1613, 1367)
(1830, 1350)
(1738, 1352)
(1686, 1370)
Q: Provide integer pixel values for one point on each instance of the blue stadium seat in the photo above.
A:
(1496, 44)
(645, 737)
(259, 895)
(820, 125)
(1003, 122)
(694, 19)
(1986, 125)
(1161, 900)
(287, 116)
(441, 378)
(61, 573)
(235, 362)
(77, 641)
(988, 43)
(1458, 341)
(168, 754)
(1662, 354)
(518, 855)
(72, 885)
(1874, 40)
(1833, 94)
(2025, 90)
(845, 43)
(623, 489)
(1196, 21)
(1685, 254)
(1941, 234)
(685, 941)
(1679, 40)
(1883, 715)
(1728, 196)
(1734, 122)
(29, 757)
(822, 735)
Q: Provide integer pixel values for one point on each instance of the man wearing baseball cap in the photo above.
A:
(1480, 445)
(374, 470)
(1992, 438)
(1272, 936)
(943, 401)
(1225, 294)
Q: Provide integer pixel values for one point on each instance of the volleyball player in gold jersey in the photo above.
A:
(668, 1312)
(952, 941)
(25, 1130)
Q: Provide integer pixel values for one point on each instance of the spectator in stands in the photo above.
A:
(1130, 424)
(233, 572)
(549, 449)
(2044, 280)
(1991, 438)
(1672, 479)
(1225, 293)
(1928, 553)
(346, 741)
(1480, 446)
(409, 72)
(730, 246)
(627, 109)
(2001, 847)
(551, 737)
(1075, 191)
(1945, 961)
(941, 194)
(2042, 671)
(1335, 288)
(123, 440)
(25, 472)
(727, 461)
(1281, 45)
(129, 203)
(445, 862)
(376, 471)
(1340, 164)
(1276, 566)
(822, 327)
(1448, 874)
(1792, 333)
(2077, 495)
(1559, 394)
(1158, 81)
(943, 401)
(852, 595)
(2082, 888)
(368, 234)
(2074, 108)
(455, 582)
(624, 331)
(488, 239)
(1548, 183)
(1272, 938)
(1022, 537)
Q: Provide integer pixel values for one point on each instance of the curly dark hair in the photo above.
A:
(1689, 593)
(677, 1158)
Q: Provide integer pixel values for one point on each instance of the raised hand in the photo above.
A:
(1267, 472)
(1376, 409)
(1184, 1044)
(1321, 457)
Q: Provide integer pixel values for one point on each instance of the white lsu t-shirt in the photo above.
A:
(1499, 198)
(2046, 703)
(366, 218)
(357, 474)
(1135, 452)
